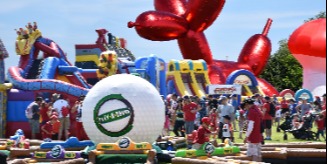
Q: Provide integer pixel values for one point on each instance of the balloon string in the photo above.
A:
(267, 27)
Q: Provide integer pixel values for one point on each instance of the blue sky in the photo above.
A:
(70, 22)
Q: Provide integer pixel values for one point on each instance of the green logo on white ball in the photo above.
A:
(114, 115)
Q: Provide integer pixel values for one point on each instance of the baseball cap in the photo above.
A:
(248, 101)
(206, 120)
(186, 97)
(267, 98)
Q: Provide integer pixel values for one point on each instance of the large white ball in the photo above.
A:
(123, 106)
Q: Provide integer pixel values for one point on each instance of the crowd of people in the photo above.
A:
(56, 118)
(217, 117)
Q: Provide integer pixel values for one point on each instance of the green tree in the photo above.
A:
(318, 16)
(283, 71)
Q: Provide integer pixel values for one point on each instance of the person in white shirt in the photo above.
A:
(61, 106)
(225, 109)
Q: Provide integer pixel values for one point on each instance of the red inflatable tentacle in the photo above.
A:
(256, 51)
(49, 50)
(202, 13)
(177, 7)
(195, 46)
(267, 88)
(159, 26)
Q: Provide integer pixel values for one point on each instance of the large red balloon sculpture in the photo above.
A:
(186, 21)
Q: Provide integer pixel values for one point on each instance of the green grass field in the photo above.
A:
(277, 137)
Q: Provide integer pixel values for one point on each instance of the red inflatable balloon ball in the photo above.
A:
(309, 39)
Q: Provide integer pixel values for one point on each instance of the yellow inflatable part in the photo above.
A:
(248, 91)
(108, 64)
(176, 73)
(63, 78)
(115, 146)
(24, 46)
(86, 58)
(5, 87)
(3, 147)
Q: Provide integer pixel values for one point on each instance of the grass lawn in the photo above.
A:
(278, 137)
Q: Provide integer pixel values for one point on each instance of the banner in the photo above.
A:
(224, 89)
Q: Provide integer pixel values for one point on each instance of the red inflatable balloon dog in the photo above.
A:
(186, 21)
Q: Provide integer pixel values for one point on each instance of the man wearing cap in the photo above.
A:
(254, 132)
(304, 108)
(203, 134)
(267, 118)
(190, 109)
(225, 109)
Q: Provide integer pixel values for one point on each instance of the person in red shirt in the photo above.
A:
(190, 109)
(44, 112)
(51, 128)
(267, 118)
(321, 127)
(202, 134)
(254, 132)
(285, 106)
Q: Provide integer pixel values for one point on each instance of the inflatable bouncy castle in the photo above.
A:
(187, 21)
(308, 45)
(43, 66)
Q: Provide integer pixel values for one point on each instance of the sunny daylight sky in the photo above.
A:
(70, 22)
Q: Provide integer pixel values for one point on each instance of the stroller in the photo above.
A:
(303, 131)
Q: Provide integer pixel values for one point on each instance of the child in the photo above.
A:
(227, 129)
(321, 127)
(51, 128)
(202, 134)
(242, 120)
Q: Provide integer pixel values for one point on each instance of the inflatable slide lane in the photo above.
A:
(188, 77)
(47, 72)
(200, 76)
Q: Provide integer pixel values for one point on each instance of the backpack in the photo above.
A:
(28, 111)
(272, 111)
